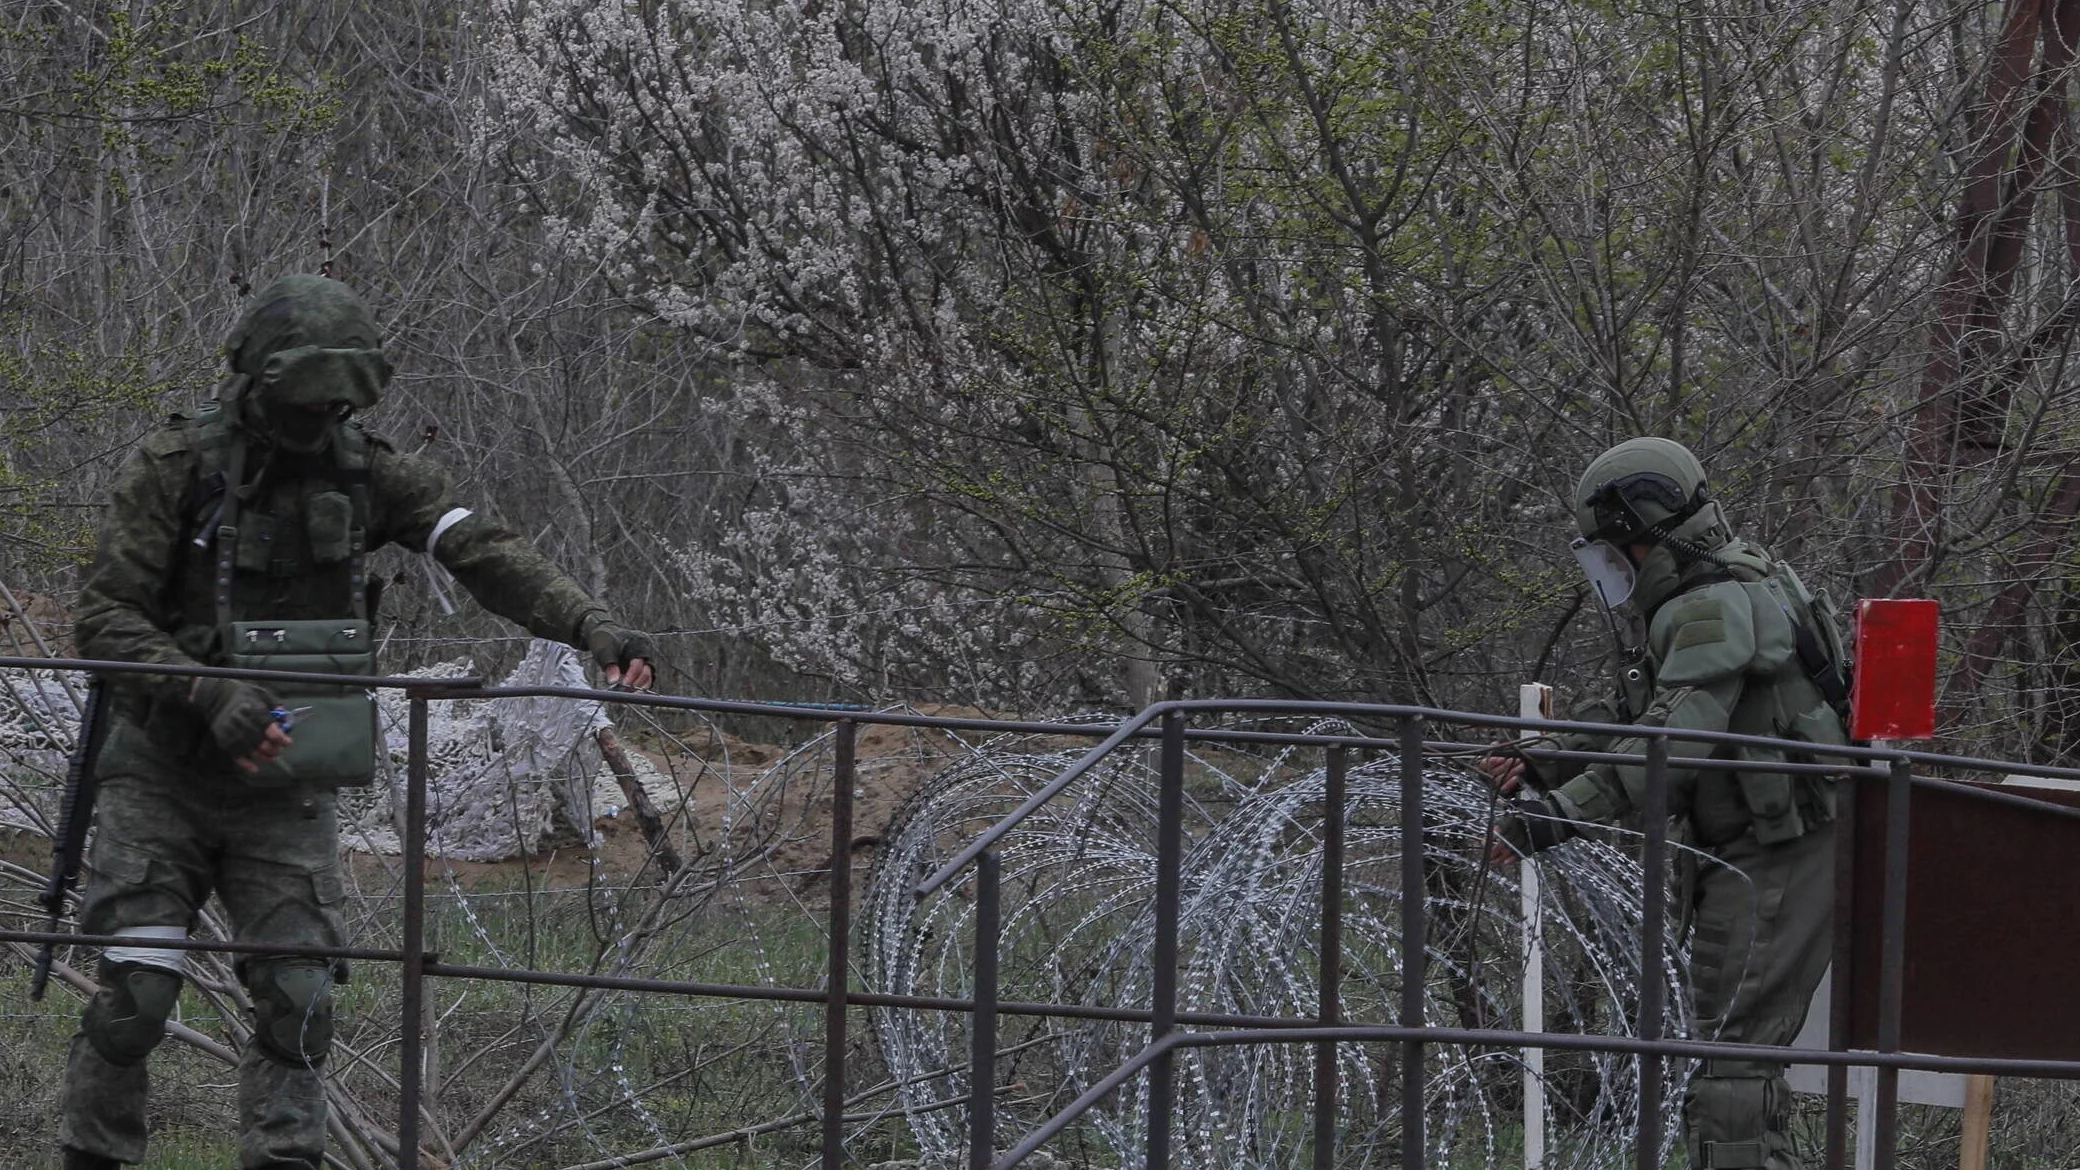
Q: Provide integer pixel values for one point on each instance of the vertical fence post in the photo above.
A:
(843, 780)
(1331, 990)
(1412, 941)
(982, 1040)
(1892, 948)
(1841, 988)
(412, 994)
(1534, 701)
(1652, 897)
(1169, 904)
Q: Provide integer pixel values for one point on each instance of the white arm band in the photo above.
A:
(455, 516)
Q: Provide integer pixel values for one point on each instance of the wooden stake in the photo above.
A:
(1978, 1122)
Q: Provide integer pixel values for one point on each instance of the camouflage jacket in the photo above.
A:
(148, 596)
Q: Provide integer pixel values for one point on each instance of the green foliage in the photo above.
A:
(170, 76)
(58, 406)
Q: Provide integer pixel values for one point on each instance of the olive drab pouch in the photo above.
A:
(255, 547)
(333, 729)
(1772, 799)
(331, 526)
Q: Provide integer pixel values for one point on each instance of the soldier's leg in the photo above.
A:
(1761, 943)
(281, 884)
(149, 875)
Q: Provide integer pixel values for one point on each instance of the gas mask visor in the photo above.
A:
(1614, 578)
(1608, 569)
(303, 393)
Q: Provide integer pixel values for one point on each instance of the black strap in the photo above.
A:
(1824, 671)
(226, 534)
(354, 477)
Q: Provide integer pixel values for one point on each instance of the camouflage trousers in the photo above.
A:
(166, 837)
(1761, 941)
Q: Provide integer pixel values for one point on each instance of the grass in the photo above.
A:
(488, 1028)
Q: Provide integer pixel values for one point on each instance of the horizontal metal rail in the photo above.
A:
(1140, 723)
(226, 946)
(743, 991)
(394, 682)
(472, 687)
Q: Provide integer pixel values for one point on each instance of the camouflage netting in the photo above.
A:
(506, 777)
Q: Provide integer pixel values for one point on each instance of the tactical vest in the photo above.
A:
(272, 575)
(1793, 683)
(306, 561)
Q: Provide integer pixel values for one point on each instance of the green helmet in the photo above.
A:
(310, 341)
(1639, 492)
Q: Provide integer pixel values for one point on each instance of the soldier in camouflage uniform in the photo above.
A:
(183, 808)
(1717, 636)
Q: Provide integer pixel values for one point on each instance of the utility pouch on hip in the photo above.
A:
(1772, 799)
(333, 728)
(1823, 727)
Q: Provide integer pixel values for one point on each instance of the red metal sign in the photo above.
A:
(1894, 693)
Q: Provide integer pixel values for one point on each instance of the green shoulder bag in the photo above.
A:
(332, 729)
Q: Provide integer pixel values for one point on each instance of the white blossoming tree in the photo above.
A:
(1254, 344)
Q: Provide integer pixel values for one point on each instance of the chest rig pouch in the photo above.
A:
(332, 728)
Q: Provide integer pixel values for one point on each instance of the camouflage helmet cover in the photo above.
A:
(309, 341)
(1638, 490)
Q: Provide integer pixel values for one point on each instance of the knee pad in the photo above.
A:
(292, 1009)
(1737, 1115)
(126, 1019)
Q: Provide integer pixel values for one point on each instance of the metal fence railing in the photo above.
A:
(1169, 724)
(1861, 765)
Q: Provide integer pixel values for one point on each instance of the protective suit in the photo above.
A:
(254, 514)
(1717, 636)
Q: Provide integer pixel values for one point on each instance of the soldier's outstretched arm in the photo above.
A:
(136, 553)
(415, 507)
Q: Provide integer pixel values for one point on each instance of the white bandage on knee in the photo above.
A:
(165, 960)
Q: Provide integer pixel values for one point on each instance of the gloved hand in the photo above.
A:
(624, 655)
(1506, 770)
(1532, 825)
(239, 713)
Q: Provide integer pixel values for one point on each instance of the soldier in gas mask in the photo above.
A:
(236, 535)
(1715, 635)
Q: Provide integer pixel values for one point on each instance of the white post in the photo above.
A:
(1866, 1117)
(1534, 701)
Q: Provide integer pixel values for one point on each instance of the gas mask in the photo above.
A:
(305, 391)
(1629, 592)
(304, 430)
